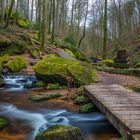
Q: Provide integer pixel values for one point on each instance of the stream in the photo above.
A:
(40, 119)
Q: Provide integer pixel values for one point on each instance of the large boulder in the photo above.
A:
(60, 132)
(122, 57)
(54, 69)
(17, 64)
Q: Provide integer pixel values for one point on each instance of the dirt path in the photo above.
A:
(123, 80)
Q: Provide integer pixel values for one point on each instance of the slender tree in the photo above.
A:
(43, 23)
(105, 30)
(53, 23)
(9, 13)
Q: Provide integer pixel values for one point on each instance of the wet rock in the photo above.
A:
(61, 132)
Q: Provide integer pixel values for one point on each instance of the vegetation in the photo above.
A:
(86, 108)
(53, 86)
(60, 132)
(17, 64)
(56, 70)
(39, 98)
(3, 123)
(136, 89)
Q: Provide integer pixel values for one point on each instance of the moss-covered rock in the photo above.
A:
(137, 65)
(60, 132)
(86, 108)
(39, 98)
(53, 86)
(54, 70)
(39, 84)
(70, 52)
(17, 64)
(22, 23)
(80, 100)
(3, 123)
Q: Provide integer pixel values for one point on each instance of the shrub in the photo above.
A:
(86, 108)
(70, 39)
(17, 64)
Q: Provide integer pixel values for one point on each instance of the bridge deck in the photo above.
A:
(121, 107)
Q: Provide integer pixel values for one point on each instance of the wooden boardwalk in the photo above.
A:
(121, 107)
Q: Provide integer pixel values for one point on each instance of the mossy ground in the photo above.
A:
(60, 132)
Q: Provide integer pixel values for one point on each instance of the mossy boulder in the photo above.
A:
(60, 132)
(80, 100)
(137, 65)
(54, 70)
(53, 86)
(39, 84)
(17, 64)
(39, 98)
(70, 52)
(22, 23)
(3, 59)
(87, 108)
(3, 123)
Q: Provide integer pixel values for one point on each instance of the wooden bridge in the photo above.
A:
(121, 107)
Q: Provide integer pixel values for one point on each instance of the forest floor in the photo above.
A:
(123, 80)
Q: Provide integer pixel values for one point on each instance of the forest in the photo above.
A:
(69, 69)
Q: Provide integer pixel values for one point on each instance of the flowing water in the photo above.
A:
(41, 119)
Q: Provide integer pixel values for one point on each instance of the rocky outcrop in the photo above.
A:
(60, 132)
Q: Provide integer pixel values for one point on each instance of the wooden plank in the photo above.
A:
(120, 105)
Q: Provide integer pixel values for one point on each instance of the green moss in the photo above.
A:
(137, 65)
(54, 69)
(23, 23)
(3, 123)
(17, 64)
(60, 132)
(86, 108)
(39, 84)
(39, 98)
(53, 86)
(69, 52)
(122, 138)
(80, 100)
(1, 65)
(136, 89)
(5, 58)
(134, 72)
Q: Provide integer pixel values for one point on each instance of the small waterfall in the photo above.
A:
(18, 82)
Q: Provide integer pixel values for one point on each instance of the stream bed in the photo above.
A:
(32, 121)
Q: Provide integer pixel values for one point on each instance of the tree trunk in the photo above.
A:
(105, 30)
(53, 23)
(9, 13)
(43, 23)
